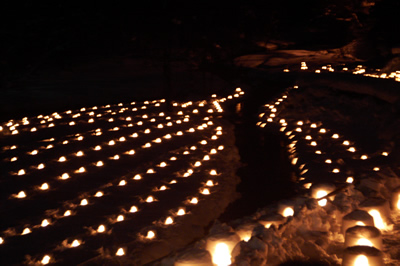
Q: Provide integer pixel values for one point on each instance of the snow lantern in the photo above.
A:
(356, 217)
(220, 247)
(194, 257)
(363, 236)
(321, 190)
(361, 256)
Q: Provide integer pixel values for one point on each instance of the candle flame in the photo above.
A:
(194, 200)
(222, 256)
(288, 211)
(44, 186)
(75, 243)
(150, 235)
(21, 195)
(169, 220)
(101, 229)
(64, 176)
(320, 194)
(21, 172)
(45, 223)
(26, 231)
(361, 260)
(181, 212)
(120, 252)
(149, 199)
(205, 191)
(46, 260)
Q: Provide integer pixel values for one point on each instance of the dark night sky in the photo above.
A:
(53, 31)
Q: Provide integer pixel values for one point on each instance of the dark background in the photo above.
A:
(37, 35)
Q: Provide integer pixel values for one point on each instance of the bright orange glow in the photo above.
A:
(133, 209)
(150, 235)
(46, 260)
(361, 260)
(378, 221)
(221, 255)
(120, 252)
(364, 242)
(194, 201)
(288, 211)
(75, 243)
(320, 194)
(168, 221)
(181, 212)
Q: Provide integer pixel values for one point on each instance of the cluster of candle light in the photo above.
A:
(358, 70)
(125, 128)
(362, 228)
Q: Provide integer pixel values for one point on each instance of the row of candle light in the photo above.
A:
(358, 70)
(47, 121)
(84, 200)
(361, 228)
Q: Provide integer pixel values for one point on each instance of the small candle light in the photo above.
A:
(46, 260)
(21, 195)
(99, 194)
(26, 231)
(181, 212)
(213, 172)
(362, 256)
(21, 172)
(169, 220)
(133, 209)
(149, 199)
(64, 176)
(205, 191)
(194, 200)
(44, 186)
(45, 223)
(75, 243)
(151, 234)
(120, 252)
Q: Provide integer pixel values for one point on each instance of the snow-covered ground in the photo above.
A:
(343, 147)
